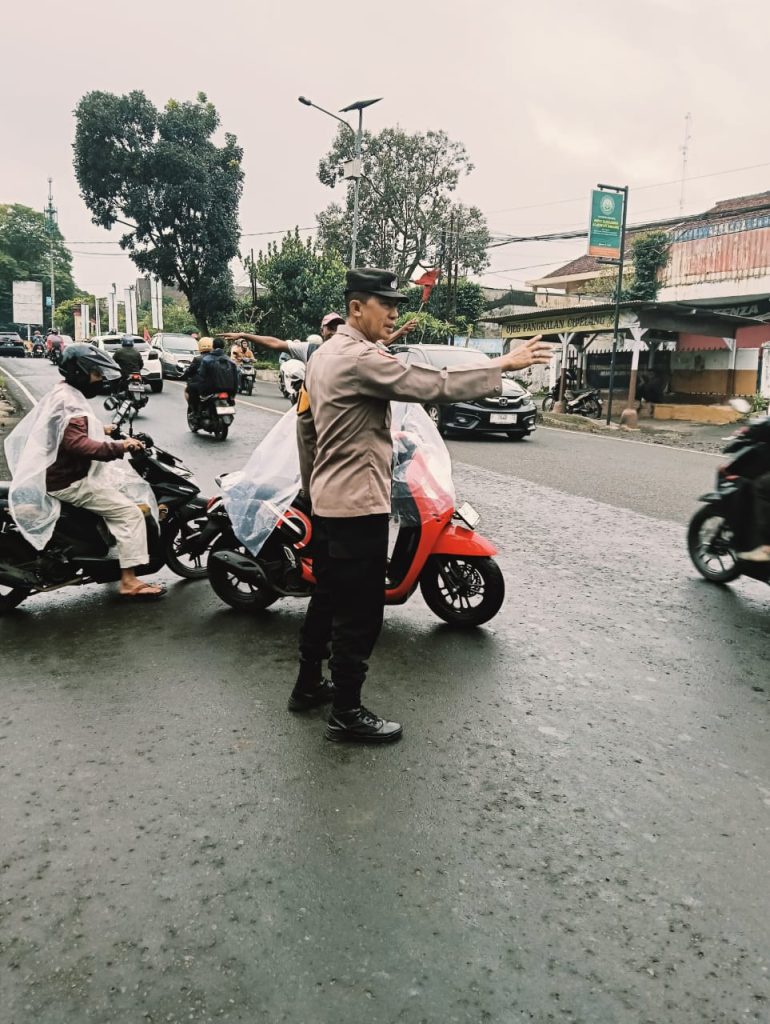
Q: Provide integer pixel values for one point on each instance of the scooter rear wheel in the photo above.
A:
(463, 591)
(548, 403)
(710, 545)
(593, 409)
(239, 594)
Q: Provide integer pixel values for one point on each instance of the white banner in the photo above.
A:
(28, 302)
(156, 302)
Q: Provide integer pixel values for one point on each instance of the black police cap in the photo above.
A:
(382, 283)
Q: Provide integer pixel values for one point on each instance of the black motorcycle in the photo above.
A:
(247, 376)
(38, 350)
(725, 524)
(128, 389)
(80, 550)
(214, 413)
(581, 402)
(55, 355)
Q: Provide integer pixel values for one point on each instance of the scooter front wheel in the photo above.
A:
(710, 544)
(463, 591)
(189, 567)
(548, 403)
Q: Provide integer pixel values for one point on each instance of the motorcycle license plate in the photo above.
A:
(225, 410)
(468, 514)
(136, 389)
(503, 417)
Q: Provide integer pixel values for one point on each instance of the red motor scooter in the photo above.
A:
(439, 551)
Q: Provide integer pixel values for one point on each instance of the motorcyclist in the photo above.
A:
(192, 374)
(62, 458)
(54, 345)
(37, 342)
(760, 432)
(127, 358)
(239, 351)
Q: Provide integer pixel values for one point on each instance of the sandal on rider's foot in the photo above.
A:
(144, 592)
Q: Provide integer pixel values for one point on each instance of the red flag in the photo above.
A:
(428, 282)
(146, 334)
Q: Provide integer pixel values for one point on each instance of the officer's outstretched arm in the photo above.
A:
(384, 376)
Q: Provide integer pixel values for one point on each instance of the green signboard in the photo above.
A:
(606, 224)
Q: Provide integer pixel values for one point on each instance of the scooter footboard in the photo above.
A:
(455, 540)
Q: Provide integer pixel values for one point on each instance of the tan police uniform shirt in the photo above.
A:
(351, 382)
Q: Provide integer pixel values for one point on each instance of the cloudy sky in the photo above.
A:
(549, 97)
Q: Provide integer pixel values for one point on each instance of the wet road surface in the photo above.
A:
(574, 827)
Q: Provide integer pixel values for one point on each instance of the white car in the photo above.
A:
(177, 351)
(152, 373)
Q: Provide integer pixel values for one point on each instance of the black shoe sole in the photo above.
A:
(309, 703)
(348, 736)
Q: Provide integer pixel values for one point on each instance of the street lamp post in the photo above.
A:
(356, 169)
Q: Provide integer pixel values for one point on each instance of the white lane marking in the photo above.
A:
(623, 440)
(243, 401)
(21, 387)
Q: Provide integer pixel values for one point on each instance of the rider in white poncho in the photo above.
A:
(59, 453)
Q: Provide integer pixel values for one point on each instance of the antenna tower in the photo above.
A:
(685, 150)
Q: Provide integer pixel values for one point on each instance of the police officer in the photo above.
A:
(350, 382)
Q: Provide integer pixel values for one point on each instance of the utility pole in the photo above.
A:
(50, 220)
(253, 278)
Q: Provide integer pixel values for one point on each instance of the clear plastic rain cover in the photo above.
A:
(31, 448)
(258, 495)
(422, 467)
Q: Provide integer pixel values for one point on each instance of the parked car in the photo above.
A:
(512, 413)
(12, 345)
(152, 374)
(176, 352)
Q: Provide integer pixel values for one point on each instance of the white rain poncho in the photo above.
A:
(31, 448)
(258, 495)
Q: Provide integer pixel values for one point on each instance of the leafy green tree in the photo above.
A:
(405, 203)
(651, 253)
(160, 175)
(470, 302)
(303, 282)
(25, 247)
(430, 330)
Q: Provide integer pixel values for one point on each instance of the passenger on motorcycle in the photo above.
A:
(62, 457)
(217, 371)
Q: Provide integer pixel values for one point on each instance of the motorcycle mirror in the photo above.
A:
(740, 405)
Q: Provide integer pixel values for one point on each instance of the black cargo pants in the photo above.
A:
(348, 602)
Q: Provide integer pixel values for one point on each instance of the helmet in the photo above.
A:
(78, 362)
(315, 339)
(205, 345)
(127, 341)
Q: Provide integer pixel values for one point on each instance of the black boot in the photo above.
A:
(311, 689)
(361, 726)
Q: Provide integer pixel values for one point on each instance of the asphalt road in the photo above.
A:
(573, 829)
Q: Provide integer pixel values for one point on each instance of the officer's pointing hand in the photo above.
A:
(531, 353)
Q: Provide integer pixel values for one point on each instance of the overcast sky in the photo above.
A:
(549, 98)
